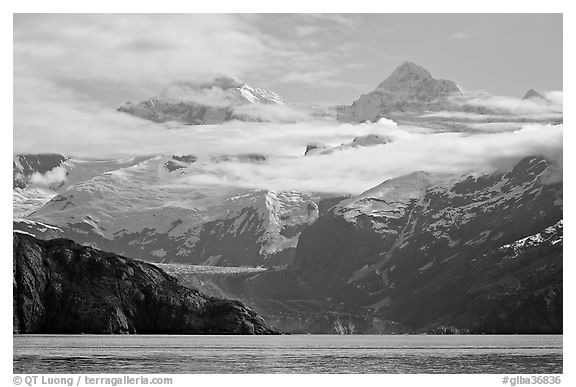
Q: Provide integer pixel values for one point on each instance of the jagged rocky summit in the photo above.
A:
(410, 88)
(533, 95)
(62, 287)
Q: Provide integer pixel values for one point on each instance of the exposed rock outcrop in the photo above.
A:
(62, 287)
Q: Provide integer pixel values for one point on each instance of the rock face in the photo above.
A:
(534, 95)
(313, 148)
(410, 88)
(179, 162)
(62, 287)
(200, 103)
(26, 165)
(480, 253)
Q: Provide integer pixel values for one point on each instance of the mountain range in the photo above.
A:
(408, 95)
(425, 252)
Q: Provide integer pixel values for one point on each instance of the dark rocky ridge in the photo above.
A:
(62, 287)
(179, 162)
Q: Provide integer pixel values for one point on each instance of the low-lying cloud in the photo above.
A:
(277, 112)
(488, 104)
(50, 118)
(55, 176)
(354, 170)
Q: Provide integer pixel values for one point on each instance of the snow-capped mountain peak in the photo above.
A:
(389, 199)
(219, 91)
(210, 102)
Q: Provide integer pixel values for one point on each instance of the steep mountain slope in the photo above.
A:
(534, 95)
(202, 103)
(410, 88)
(431, 250)
(37, 229)
(62, 287)
(27, 200)
(150, 211)
(39, 178)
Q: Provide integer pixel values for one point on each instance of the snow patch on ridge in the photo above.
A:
(389, 200)
(552, 234)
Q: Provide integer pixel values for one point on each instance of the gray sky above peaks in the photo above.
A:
(308, 58)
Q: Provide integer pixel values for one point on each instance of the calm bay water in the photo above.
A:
(287, 354)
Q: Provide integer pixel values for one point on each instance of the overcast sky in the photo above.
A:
(310, 58)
